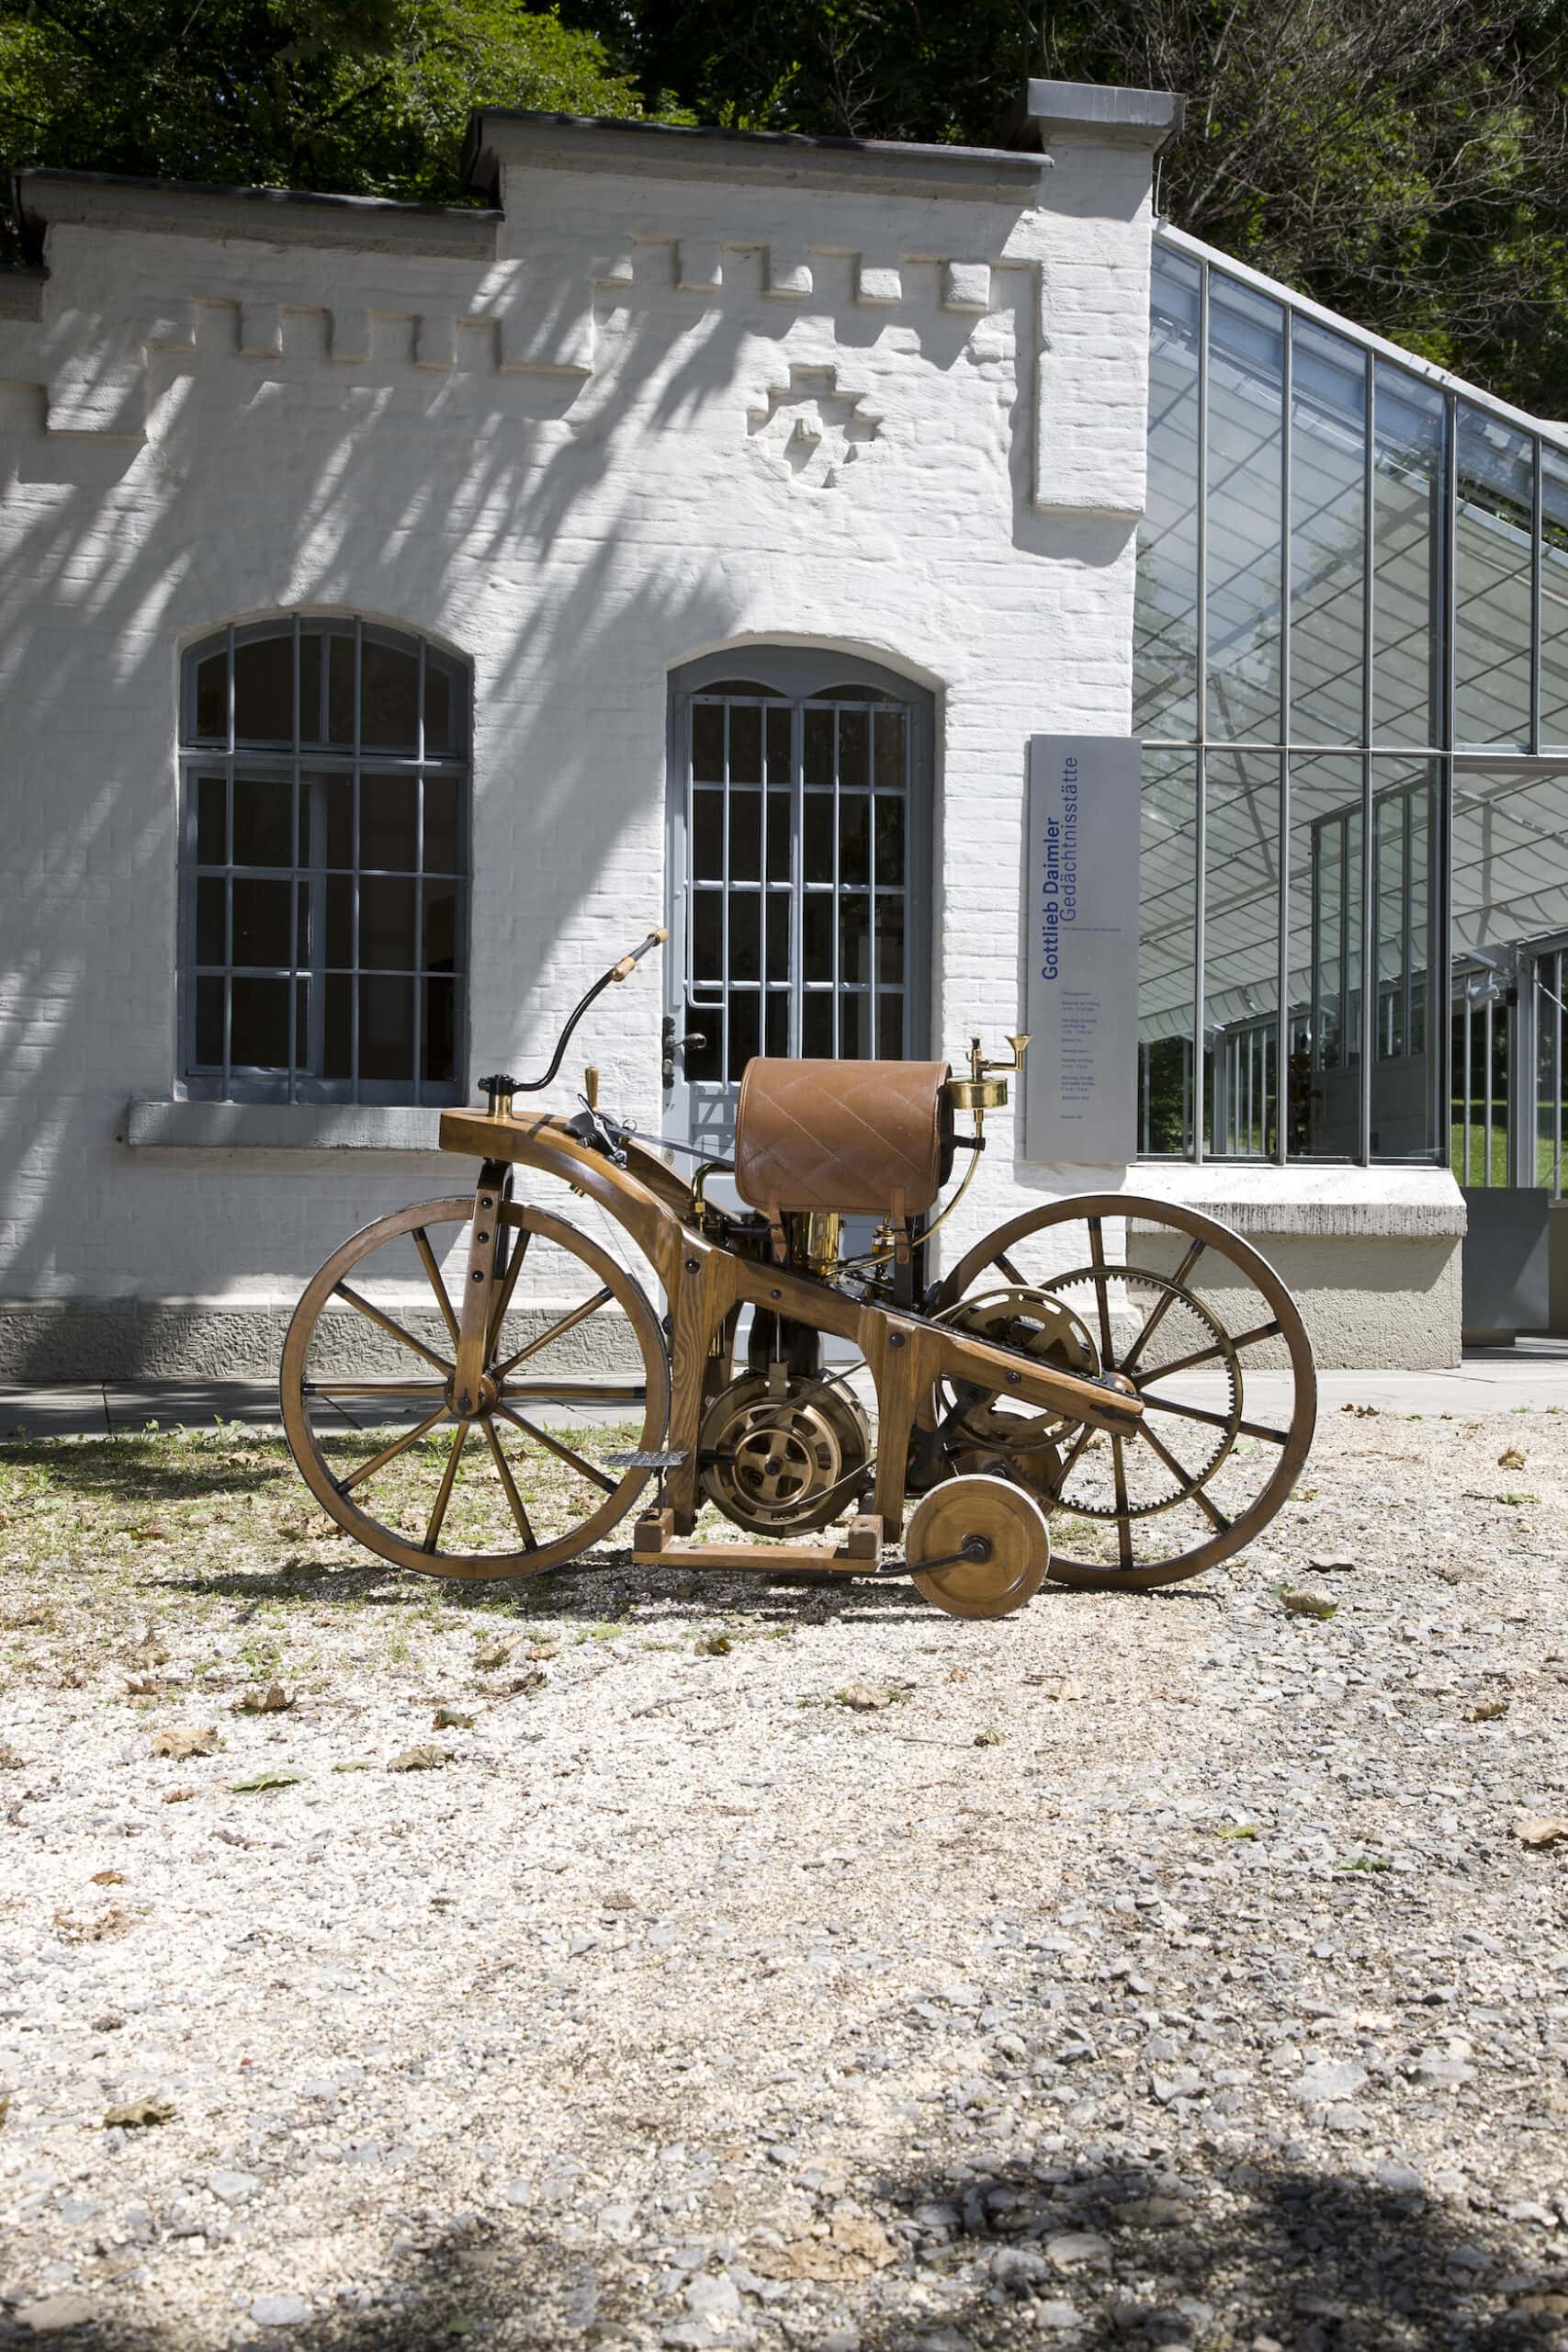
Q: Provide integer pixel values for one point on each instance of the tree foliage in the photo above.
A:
(1403, 160)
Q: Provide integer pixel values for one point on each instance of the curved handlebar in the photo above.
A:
(501, 1088)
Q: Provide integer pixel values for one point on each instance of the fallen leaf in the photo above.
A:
(1236, 1829)
(989, 1738)
(1510, 1458)
(1540, 1829)
(451, 1719)
(1308, 1604)
(187, 1743)
(1334, 1567)
(863, 1697)
(853, 2249)
(358, 1766)
(137, 2114)
(1363, 1412)
(1487, 1711)
(542, 1650)
(862, 2238)
(265, 1781)
(145, 1534)
(10, 1761)
(102, 1928)
(958, 1674)
(180, 1796)
(429, 1758)
(150, 1686)
(108, 1878)
(496, 1654)
(535, 1680)
(1372, 1863)
(714, 1645)
(269, 1698)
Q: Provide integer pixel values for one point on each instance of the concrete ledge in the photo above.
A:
(273, 215)
(1090, 109)
(152, 1123)
(1341, 1221)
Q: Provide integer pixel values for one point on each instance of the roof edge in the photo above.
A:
(499, 135)
(43, 197)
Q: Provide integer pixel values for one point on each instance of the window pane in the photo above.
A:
(389, 697)
(778, 747)
(890, 1028)
(890, 939)
(1245, 556)
(854, 748)
(262, 820)
(439, 1045)
(778, 837)
(1553, 599)
(817, 732)
(778, 935)
(311, 725)
(1328, 534)
(385, 923)
(707, 836)
(212, 697)
(440, 716)
(1492, 582)
(745, 935)
(889, 842)
(440, 942)
(1404, 833)
(745, 1029)
(854, 839)
(1407, 538)
(337, 653)
(337, 1055)
(211, 921)
(388, 823)
(258, 1036)
(745, 745)
(1241, 980)
(1166, 900)
(1325, 1081)
(1166, 679)
(745, 836)
(818, 842)
(338, 946)
(707, 743)
(441, 824)
(777, 1019)
(855, 1016)
(386, 1029)
(210, 1024)
(211, 820)
(262, 928)
(264, 692)
(1510, 858)
(332, 798)
(855, 937)
(891, 738)
(816, 936)
(707, 936)
(817, 1028)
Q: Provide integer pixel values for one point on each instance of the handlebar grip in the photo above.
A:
(623, 970)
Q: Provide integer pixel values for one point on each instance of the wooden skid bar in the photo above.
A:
(654, 1542)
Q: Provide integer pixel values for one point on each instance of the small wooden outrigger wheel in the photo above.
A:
(978, 1547)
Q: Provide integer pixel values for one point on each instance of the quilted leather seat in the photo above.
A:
(866, 1138)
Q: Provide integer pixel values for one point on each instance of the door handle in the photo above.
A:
(672, 1045)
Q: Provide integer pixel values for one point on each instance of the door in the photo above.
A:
(800, 800)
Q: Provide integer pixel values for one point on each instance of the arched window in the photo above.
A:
(324, 862)
(800, 802)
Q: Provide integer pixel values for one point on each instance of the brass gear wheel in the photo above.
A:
(982, 1434)
(781, 1461)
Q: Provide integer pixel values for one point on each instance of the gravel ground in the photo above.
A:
(1134, 1970)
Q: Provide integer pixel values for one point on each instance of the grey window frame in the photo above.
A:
(795, 675)
(293, 762)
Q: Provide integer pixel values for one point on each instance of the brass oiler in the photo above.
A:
(985, 1087)
(816, 1239)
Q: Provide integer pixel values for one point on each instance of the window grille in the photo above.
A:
(324, 862)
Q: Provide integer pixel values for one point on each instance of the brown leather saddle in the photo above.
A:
(862, 1138)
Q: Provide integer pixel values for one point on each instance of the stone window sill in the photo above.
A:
(155, 1123)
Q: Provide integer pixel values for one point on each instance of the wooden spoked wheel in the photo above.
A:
(978, 1547)
(1180, 1312)
(368, 1381)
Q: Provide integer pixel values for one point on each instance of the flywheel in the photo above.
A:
(782, 1457)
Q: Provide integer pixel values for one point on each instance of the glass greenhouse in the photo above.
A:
(1352, 691)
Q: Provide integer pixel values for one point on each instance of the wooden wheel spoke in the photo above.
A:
(1123, 1523)
(1215, 1420)
(390, 1453)
(427, 1259)
(443, 1492)
(1163, 1304)
(363, 1306)
(564, 1452)
(1194, 1491)
(503, 1472)
(1205, 1356)
(373, 1387)
(1102, 1291)
(1070, 1461)
(503, 1294)
(557, 1331)
(1011, 1271)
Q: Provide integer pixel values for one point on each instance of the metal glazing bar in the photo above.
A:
(836, 902)
(725, 1022)
(1536, 494)
(1201, 651)
(1282, 1028)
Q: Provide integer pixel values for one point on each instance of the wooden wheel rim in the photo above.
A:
(1013, 1526)
(386, 1542)
(1093, 1576)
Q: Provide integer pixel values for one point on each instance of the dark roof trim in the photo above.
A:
(497, 135)
(273, 216)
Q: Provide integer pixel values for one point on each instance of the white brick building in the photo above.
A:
(360, 561)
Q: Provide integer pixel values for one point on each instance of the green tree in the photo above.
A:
(369, 96)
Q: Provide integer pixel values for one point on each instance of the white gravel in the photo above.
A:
(1216, 2001)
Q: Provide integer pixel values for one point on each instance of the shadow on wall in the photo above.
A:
(524, 495)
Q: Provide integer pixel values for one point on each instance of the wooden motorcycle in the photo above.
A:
(1082, 1369)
